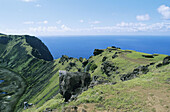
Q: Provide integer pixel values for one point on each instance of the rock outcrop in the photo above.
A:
(73, 83)
(98, 51)
(166, 61)
(108, 68)
(148, 56)
(135, 73)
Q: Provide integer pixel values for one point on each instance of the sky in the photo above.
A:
(85, 17)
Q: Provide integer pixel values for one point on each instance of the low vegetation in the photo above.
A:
(150, 92)
(147, 92)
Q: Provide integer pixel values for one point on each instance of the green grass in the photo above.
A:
(124, 96)
(42, 77)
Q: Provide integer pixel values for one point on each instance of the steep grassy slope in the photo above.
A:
(125, 62)
(40, 75)
(30, 59)
(148, 93)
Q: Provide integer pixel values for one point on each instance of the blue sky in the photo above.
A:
(85, 17)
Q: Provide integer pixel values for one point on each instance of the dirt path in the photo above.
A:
(11, 89)
(139, 60)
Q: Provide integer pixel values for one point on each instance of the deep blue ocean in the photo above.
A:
(83, 46)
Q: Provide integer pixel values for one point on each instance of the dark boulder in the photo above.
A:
(152, 63)
(108, 68)
(85, 63)
(148, 56)
(115, 55)
(141, 70)
(72, 64)
(159, 65)
(81, 59)
(114, 47)
(166, 60)
(104, 58)
(73, 83)
(98, 51)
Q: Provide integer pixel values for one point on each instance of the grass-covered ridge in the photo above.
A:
(41, 76)
(148, 93)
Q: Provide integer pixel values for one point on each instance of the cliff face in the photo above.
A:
(39, 49)
(28, 44)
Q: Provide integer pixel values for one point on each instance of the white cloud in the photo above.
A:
(136, 27)
(120, 28)
(164, 11)
(43, 29)
(43, 22)
(65, 28)
(145, 17)
(81, 21)
(28, 0)
(37, 5)
(123, 24)
(58, 22)
(95, 22)
(32, 22)
(28, 22)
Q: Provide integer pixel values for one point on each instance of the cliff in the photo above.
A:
(117, 76)
(23, 45)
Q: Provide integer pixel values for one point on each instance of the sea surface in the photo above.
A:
(83, 46)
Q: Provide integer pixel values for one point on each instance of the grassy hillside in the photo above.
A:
(126, 61)
(39, 74)
(33, 62)
(148, 93)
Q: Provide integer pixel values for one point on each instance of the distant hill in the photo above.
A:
(122, 80)
(2, 34)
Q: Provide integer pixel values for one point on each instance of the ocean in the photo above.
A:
(83, 46)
